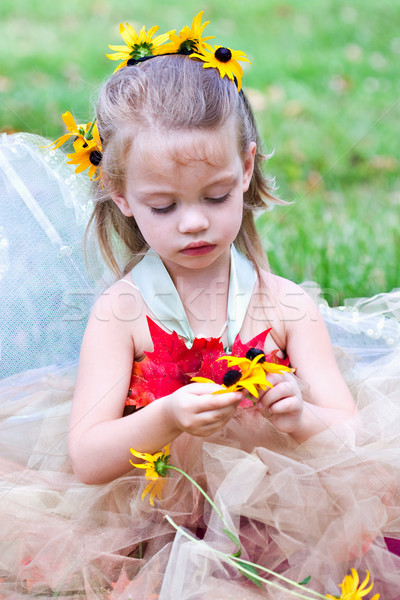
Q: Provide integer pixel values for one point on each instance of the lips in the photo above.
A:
(198, 248)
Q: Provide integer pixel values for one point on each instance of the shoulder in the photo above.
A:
(120, 303)
(305, 331)
(117, 317)
(288, 299)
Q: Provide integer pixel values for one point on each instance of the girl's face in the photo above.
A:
(185, 191)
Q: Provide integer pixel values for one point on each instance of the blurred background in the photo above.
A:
(325, 86)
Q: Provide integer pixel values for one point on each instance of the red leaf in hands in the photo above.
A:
(168, 347)
(169, 366)
(150, 381)
(239, 349)
(209, 350)
(172, 364)
(272, 358)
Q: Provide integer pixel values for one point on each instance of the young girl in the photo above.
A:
(181, 174)
(180, 182)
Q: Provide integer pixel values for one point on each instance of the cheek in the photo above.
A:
(144, 224)
(232, 221)
(155, 229)
(142, 217)
(237, 212)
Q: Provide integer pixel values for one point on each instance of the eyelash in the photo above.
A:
(160, 211)
(219, 200)
(166, 209)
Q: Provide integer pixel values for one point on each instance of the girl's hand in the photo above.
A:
(196, 410)
(283, 403)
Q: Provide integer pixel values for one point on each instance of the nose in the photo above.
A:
(193, 219)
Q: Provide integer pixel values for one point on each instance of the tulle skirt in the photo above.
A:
(315, 509)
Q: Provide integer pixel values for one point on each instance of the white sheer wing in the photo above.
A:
(45, 291)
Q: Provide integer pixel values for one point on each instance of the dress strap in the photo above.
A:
(160, 294)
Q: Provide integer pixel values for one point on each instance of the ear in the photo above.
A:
(122, 204)
(248, 165)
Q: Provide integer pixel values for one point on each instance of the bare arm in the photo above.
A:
(329, 400)
(99, 438)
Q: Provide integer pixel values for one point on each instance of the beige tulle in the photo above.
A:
(316, 510)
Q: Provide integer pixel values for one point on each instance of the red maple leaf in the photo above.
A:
(172, 364)
(239, 349)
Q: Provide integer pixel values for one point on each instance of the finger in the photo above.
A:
(279, 391)
(215, 402)
(287, 405)
(218, 415)
(215, 425)
(202, 388)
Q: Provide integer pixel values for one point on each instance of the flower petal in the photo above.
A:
(249, 386)
(128, 34)
(140, 466)
(275, 368)
(146, 490)
(142, 455)
(69, 122)
(124, 49)
(202, 380)
(60, 141)
(364, 583)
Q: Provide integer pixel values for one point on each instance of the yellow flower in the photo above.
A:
(156, 468)
(138, 45)
(251, 377)
(249, 383)
(87, 145)
(225, 60)
(351, 590)
(87, 151)
(75, 130)
(255, 370)
(188, 39)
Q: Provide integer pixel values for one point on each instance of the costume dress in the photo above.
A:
(314, 509)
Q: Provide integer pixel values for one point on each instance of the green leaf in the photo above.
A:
(235, 540)
(250, 571)
(305, 581)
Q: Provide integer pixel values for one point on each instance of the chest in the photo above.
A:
(206, 316)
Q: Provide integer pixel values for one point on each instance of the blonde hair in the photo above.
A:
(170, 92)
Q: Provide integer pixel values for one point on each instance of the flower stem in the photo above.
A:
(279, 576)
(227, 531)
(89, 133)
(230, 560)
(206, 496)
(59, 587)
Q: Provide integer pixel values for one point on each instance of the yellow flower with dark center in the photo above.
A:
(156, 470)
(225, 60)
(87, 145)
(254, 371)
(87, 152)
(189, 39)
(251, 377)
(351, 590)
(138, 45)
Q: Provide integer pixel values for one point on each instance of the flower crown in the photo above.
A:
(138, 47)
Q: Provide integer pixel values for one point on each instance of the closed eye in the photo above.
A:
(219, 200)
(163, 210)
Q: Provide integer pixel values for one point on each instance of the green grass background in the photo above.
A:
(324, 82)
